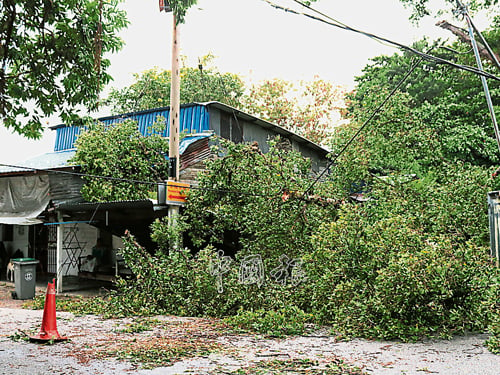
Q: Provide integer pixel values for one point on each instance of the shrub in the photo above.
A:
(288, 320)
(385, 279)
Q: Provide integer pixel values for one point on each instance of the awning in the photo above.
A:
(23, 198)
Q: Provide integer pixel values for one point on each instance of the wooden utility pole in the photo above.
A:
(175, 86)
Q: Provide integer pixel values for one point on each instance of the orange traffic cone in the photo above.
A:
(48, 332)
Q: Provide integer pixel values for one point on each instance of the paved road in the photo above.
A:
(460, 356)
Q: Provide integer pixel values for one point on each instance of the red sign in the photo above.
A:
(177, 191)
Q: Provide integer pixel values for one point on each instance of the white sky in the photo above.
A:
(250, 38)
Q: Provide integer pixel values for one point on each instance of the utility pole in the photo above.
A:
(463, 11)
(173, 150)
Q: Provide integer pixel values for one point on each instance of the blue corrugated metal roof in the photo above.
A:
(194, 118)
(66, 137)
(188, 140)
(59, 159)
(50, 160)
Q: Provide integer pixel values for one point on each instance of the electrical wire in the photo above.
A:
(365, 124)
(483, 40)
(391, 42)
(129, 180)
(337, 21)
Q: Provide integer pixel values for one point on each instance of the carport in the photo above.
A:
(113, 217)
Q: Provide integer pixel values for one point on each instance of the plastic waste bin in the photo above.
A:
(24, 277)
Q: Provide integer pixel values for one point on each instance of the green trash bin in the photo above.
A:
(25, 277)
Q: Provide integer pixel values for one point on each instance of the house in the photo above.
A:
(43, 214)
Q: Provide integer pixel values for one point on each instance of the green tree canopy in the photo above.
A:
(422, 8)
(120, 151)
(151, 89)
(449, 104)
(310, 109)
(180, 7)
(51, 58)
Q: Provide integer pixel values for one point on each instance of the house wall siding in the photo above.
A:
(193, 119)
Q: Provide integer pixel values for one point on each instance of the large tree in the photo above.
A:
(448, 102)
(151, 88)
(310, 109)
(422, 8)
(121, 153)
(51, 58)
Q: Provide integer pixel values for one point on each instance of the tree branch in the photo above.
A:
(463, 35)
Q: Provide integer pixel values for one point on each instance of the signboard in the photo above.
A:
(177, 192)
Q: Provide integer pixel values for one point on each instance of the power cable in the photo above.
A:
(129, 180)
(337, 21)
(373, 36)
(365, 124)
(462, 10)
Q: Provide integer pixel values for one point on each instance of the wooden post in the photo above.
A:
(173, 151)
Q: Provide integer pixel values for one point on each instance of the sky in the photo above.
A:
(252, 39)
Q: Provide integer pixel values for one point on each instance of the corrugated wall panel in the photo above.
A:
(193, 119)
(66, 137)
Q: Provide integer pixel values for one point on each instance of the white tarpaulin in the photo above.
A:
(23, 198)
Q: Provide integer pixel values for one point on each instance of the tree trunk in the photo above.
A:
(463, 35)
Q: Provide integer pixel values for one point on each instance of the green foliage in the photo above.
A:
(328, 366)
(446, 104)
(151, 89)
(121, 152)
(156, 353)
(307, 108)
(288, 320)
(76, 305)
(180, 7)
(409, 262)
(381, 275)
(139, 325)
(243, 192)
(51, 55)
(493, 343)
(422, 8)
(493, 307)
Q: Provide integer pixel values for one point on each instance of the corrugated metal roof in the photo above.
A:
(195, 152)
(51, 160)
(55, 160)
(66, 137)
(194, 118)
(269, 125)
(92, 206)
(189, 140)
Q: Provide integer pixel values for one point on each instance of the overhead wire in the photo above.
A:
(334, 23)
(365, 124)
(129, 180)
(374, 36)
(462, 10)
(337, 21)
